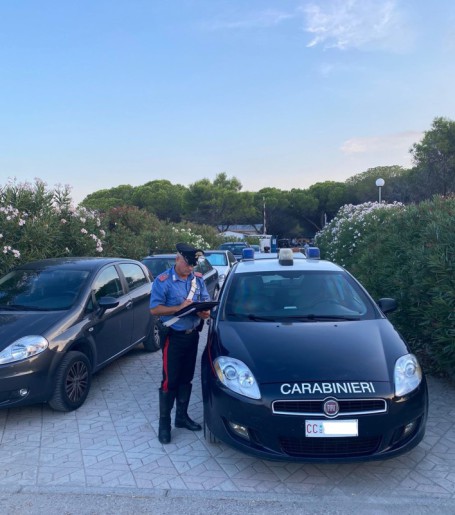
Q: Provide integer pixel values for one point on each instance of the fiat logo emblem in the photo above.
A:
(331, 407)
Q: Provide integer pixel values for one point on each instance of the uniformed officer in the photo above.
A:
(173, 290)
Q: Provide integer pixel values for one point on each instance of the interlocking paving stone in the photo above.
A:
(111, 442)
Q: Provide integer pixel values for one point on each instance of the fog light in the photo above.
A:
(408, 428)
(240, 430)
(23, 392)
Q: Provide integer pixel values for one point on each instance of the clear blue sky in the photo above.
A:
(278, 93)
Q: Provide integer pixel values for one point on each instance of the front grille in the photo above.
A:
(315, 407)
(329, 447)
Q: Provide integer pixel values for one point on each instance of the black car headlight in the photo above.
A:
(236, 376)
(23, 348)
(407, 374)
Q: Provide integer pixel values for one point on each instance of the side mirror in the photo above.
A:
(107, 303)
(387, 305)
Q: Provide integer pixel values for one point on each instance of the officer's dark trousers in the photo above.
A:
(179, 359)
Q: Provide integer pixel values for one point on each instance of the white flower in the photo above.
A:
(63, 221)
(84, 231)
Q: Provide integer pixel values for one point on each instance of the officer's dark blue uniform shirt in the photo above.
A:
(169, 289)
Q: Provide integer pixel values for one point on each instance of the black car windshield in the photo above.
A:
(297, 296)
(41, 289)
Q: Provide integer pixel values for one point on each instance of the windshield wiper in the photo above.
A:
(311, 316)
(250, 316)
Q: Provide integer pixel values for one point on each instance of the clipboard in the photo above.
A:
(192, 309)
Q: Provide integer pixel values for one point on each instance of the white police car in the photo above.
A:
(302, 364)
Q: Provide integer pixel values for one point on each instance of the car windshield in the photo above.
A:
(235, 248)
(41, 289)
(296, 295)
(158, 265)
(217, 259)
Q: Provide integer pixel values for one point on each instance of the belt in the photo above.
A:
(184, 331)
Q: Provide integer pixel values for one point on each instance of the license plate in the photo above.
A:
(331, 428)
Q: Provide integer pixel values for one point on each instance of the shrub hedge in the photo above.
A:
(405, 252)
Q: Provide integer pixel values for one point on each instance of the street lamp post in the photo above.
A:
(379, 184)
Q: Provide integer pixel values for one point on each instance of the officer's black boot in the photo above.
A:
(181, 416)
(166, 404)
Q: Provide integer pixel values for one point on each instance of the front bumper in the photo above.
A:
(28, 381)
(252, 427)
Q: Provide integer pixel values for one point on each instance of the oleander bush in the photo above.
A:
(37, 223)
(405, 252)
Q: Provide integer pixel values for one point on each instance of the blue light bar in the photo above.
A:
(313, 253)
(248, 253)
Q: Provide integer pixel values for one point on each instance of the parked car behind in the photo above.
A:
(158, 263)
(223, 261)
(236, 247)
(64, 319)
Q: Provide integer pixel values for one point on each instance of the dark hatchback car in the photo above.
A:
(61, 320)
(159, 263)
(301, 364)
(236, 247)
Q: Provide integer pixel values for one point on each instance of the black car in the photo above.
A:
(301, 364)
(64, 319)
(236, 247)
(159, 263)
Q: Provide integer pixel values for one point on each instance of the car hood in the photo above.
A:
(277, 352)
(18, 324)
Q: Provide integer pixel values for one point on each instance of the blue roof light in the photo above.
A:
(313, 253)
(248, 253)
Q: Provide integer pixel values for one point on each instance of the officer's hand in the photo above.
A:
(184, 304)
(204, 314)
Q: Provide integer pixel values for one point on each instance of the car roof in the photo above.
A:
(270, 264)
(87, 263)
(167, 256)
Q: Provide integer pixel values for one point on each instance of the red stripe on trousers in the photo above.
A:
(165, 365)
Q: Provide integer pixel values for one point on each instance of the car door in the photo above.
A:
(210, 275)
(139, 293)
(112, 330)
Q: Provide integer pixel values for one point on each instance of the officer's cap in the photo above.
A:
(190, 253)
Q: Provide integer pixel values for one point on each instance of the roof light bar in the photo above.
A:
(313, 253)
(286, 257)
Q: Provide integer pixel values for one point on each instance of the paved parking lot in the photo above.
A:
(110, 444)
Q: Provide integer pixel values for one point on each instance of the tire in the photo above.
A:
(152, 342)
(72, 382)
(209, 436)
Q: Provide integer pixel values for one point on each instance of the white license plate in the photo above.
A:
(331, 428)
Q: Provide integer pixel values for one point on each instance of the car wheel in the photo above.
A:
(152, 342)
(72, 382)
(209, 436)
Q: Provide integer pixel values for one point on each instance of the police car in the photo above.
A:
(301, 364)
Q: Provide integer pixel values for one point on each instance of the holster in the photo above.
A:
(163, 331)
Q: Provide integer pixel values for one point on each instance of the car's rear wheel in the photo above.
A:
(208, 435)
(152, 342)
(72, 382)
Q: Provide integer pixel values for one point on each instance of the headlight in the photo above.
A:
(23, 348)
(236, 376)
(407, 374)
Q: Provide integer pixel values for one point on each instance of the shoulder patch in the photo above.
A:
(163, 277)
(198, 274)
